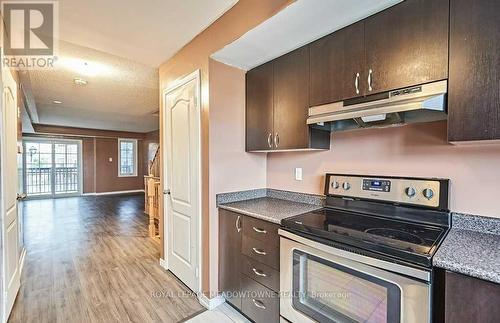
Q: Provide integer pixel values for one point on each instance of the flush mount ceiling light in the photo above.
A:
(84, 67)
(79, 81)
(57, 102)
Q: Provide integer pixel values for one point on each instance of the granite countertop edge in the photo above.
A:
(472, 247)
(274, 206)
(252, 214)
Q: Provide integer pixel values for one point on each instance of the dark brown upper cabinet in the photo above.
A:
(407, 45)
(402, 46)
(277, 99)
(291, 100)
(474, 81)
(259, 108)
(338, 66)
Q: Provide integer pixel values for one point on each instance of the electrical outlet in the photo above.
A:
(298, 174)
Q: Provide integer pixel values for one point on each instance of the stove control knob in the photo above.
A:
(346, 186)
(428, 193)
(410, 192)
(335, 185)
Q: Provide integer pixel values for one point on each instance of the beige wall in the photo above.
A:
(245, 15)
(412, 150)
(230, 167)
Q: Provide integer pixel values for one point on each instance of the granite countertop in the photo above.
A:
(472, 247)
(269, 208)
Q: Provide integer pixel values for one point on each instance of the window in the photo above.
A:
(127, 157)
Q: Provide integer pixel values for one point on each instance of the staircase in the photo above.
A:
(152, 189)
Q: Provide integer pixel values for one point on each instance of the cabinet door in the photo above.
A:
(474, 83)
(230, 256)
(407, 45)
(259, 108)
(291, 100)
(469, 299)
(336, 61)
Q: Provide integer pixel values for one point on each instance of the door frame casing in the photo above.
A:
(196, 76)
(55, 141)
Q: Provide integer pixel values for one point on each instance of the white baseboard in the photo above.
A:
(163, 263)
(113, 193)
(210, 303)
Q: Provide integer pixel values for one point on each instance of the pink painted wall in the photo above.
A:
(230, 167)
(412, 150)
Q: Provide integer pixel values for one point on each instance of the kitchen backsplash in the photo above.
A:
(419, 150)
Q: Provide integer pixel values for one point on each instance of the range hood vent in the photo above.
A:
(421, 103)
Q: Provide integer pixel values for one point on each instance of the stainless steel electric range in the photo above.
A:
(367, 255)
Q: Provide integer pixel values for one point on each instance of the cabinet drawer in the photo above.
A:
(259, 303)
(261, 251)
(261, 230)
(261, 273)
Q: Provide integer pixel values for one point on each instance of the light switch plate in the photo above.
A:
(298, 173)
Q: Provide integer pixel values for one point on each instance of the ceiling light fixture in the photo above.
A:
(57, 102)
(83, 67)
(79, 81)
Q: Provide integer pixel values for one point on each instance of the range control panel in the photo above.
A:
(416, 191)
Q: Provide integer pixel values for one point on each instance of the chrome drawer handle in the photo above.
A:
(259, 230)
(259, 272)
(258, 304)
(356, 83)
(259, 251)
(370, 72)
(238, 224)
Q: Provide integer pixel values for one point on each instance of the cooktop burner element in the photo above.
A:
(380, 216)
(395, 234)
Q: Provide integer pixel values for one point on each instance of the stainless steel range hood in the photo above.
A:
(421, 103)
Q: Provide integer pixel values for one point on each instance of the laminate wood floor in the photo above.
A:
(89, 259)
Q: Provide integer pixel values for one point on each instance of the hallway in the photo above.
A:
(89, 259)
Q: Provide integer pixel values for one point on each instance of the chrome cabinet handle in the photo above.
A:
(276, 140)
(259, 272)
(269, 140)
(258, 304)
(238, 224)
(370, 72)
(259, 230)
(356, 83)
(259, 251)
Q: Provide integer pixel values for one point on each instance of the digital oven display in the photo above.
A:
(376, 185)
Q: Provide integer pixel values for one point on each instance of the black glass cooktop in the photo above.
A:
(399, 239)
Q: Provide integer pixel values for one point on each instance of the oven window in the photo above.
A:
(329, 292)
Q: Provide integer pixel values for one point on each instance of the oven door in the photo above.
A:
(324, 284)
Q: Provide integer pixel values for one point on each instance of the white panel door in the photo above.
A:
(9, 175)
(182, 179)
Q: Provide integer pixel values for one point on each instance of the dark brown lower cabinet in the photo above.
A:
(468, 299)
(249, 265)
(230, 256)
(259, 303)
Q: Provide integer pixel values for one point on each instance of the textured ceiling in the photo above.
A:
(123, 43)
(120, 94)
(146, 31)
(298, 24)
